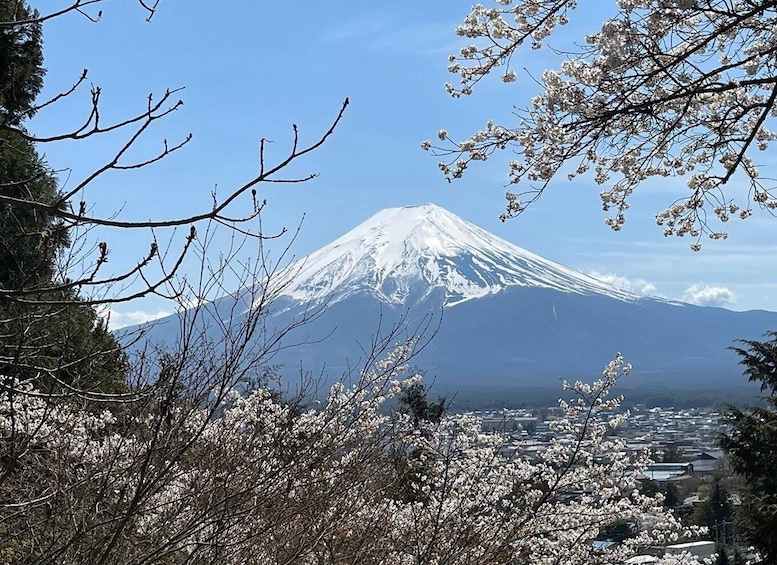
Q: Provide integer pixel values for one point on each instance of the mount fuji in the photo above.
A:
(508, 322)
(404, 255)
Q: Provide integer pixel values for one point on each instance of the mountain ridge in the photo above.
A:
(510, 320)
(399, 250)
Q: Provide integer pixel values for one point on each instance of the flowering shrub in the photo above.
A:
(260, 480)
(665, 88)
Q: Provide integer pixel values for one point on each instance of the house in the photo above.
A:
(709, 463)
(697, 548)
(662, 472)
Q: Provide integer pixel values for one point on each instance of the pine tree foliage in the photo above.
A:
(63, 348)
(751, 446)
(21, 62)
(29, 239)
(715, 510)
(415, 401)
(760, 361)
(722, 559)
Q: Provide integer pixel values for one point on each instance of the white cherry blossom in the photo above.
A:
(254, 479)
(665, 88)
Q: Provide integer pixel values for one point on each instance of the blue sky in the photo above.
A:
(251, 69)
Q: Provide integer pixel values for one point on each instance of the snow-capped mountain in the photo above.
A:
(402, 255)
(509, 320)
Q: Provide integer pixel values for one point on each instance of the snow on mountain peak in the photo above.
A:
(403, 254)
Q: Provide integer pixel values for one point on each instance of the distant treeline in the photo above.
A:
(485, 397)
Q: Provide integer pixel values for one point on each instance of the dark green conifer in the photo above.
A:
(21, 62)
(415, 401)
(751, 447)
(62, 347)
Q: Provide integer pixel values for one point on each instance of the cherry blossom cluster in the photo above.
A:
(665, 88)
(263, 480)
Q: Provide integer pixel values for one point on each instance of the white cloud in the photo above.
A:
(124, 319)
(708, 295)
(637, 286)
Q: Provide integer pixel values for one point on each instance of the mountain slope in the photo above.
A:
(400, 255)
(505, 319)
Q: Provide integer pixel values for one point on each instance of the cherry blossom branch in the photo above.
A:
(664, 89)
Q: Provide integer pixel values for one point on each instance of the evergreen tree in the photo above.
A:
(618, 531)
(29, 239)
(63, 349)
(414, 463)
(21, 62)
(415, 401)
(648, 487)
(722, 559)
(715, 512)
(671, 496)
(671, 455)
(760, 361)
(60, 347)
(751, 446)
